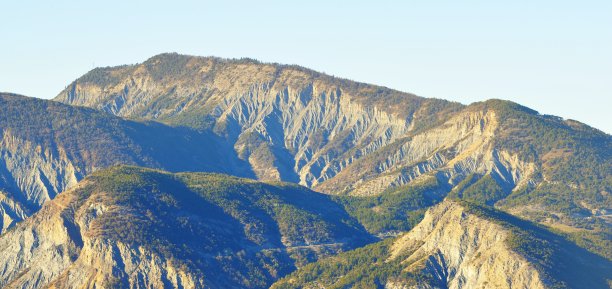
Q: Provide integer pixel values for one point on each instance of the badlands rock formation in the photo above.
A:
(459, 245)
(384, 155)
(297, 125)
(130, 227)
(342, 137)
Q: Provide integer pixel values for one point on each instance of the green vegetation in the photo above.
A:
(52, 125)
(571, 186)
(365, 267)
(573, 180)
(398, 209)
(299, 215)
(483, 190)
(575, 158)
(235, 231)
(92, 139)
(104, 76)
(560, 262)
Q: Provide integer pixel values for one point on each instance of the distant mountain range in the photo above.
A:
(381, 156)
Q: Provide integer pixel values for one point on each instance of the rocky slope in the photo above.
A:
(384, 157)
(346, 138)
(288, 122)
(129, 227)
(47, 147)
(297, 125)
(459, 245)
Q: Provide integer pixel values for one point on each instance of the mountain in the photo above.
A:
(288, 122)
(47, 147)
(491, 194)
(131, 227)
(461, 245)
(370, 145)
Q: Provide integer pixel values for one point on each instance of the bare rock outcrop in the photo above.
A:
(131, 227)
(459, 245)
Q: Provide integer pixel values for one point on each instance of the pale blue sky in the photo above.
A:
(553, 56)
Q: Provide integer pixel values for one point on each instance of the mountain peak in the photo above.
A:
(167, 85)
(502, 106)
(343, 137)
(385, 156)
(177, 57)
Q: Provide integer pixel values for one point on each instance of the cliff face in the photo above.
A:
(128, 227)
(462, 245)
(461, 250)
(31, 175)
(11, 211)
(297, 125)
(289, 123)
(47, 147)
(459, 245)
(385, 156)
(59, 248)
(461, 146)
(341, 137)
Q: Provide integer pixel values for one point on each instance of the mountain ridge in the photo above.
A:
(47, 147)
(135, 227)
(290, 166)
(292, 124)
(460, 245)
(341, 137)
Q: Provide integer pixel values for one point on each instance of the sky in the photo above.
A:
(552, 56)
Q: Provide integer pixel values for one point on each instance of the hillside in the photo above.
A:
(47, 147)
(461, 245)
(130, 227)
(548, 170)
(368, 144)
(288, 122)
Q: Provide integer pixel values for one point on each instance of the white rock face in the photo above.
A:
(11, 211)
(286, 124)
(53, 250)
(461, 146)
(130, 227)
(307, 124)
(295, 125)
(289, 123)
(463, 251)
(98, 260)
(459, 245)
(35, 174)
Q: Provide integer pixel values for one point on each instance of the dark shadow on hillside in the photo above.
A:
(180, 149)
(178, 223)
